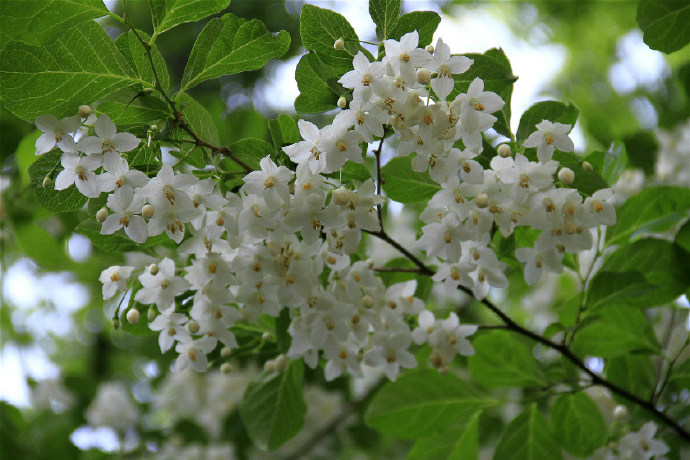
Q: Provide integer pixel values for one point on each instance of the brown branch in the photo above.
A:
(379, 183)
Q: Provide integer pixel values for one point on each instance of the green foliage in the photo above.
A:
(665, 23)
(578, 424)
(166, 14)
(135, 54)
(553, 111)
(634, 373)
(528, 437)
(642, 149)
(284, 131)
(273, 408)
(385, 14)
(424, 22)
(318, 85)
(586, 182)
(68, 200)
(424, 402)
(319, 29)
(229, 45)
(129, 108)
(611, 288)
(459, 442)
(609, 164)
(683, 236)
(404, 185)
(500, 360)
(118, 241)
(201, 121)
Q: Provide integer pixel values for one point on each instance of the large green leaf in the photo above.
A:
(320, 28)
(459, 442)
(553, 111)
(634, 373)
(502, 361)
(665, 24)
(578, 424)
(586, 182)
(528, 437)
(129, 108)
(611, 288)
(662, 263)
(494, 69)
(248, 150)
(614, 331)
(229, 45)
(133, 50)
(655, 209)
(284, 131)
(609, 164)
(38, 22)
(273, 408)
(166, 14)
(423, 402)
(683, 236)
(318, 85)
(404, 185)
(82, 66)
(201, 122)
(385, 14)
(642, 148)
(424, 22)
(67, 200)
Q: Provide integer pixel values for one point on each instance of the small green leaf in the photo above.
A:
(67, 200)
(665, 24)
(385, 14)
(423, 402)
(38, 22)
(145, 158)
(459, 442)
(166, 14)
(82, 66)
(609, 164)
(614, 331)
(610, 288)
(528, 437)
(248, 150)
(553, 111)
(352, 173)
(201, 123)
(578, 424)
(127, 107)
(320, 28)
(683, 236)
(634, 373)
(132, 49)
(318, 85)
(284, 131)
(654, 209)
(272, 408)
(229, 45)
(404, 185)
(424, 22)
(502, 361)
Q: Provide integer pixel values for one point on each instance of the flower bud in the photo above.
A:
(193, 327)
(504, 150)
(116, 324)
(341, 196)
(154, 127)
(423, 76)
(225, 368)
(153, 269)
(84, 111)
(342, 102)
(225, 352)
(151, 314)
(133, 316)
(147, 91)
(147, 211)
(587, 166)
(47, 182)
(481, 200)
(339, 43)
(281, 363)
(566, 175)
(430, 48)
(270, 366)
(266, 336)
(620, 413)
(102, 214)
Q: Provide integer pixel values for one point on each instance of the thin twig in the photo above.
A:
(397, 270)
(377, 154)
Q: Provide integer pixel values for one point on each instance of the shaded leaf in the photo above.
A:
(424, 22)
(610, 288)
(665, 24)
(404, 185)
(127, 107)
(284, 131)
(385, 14)
(578, 424)
(553, 111)
(318, 85)
(67, 200)
(459, 442)
(635, 373)
(166, 14)
(320, 28)
(132, 50)
(528, 437)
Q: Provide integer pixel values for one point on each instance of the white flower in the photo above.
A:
(365, 73)
(446, 65)
(56, 132)
(271, 182)
(162, 287)
(108, 142)
(79, 171)
(311, 150)
(126, 205)
(391, 353)
(114, 279)
(548, 137)
(642, 445)
(194, 353)
(170, 325)
(404, 56)
(113, 406)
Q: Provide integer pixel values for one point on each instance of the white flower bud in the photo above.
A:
(84, 111)
(342, 102)
(367, 301)
(154, 127)
(281, 363)
(147, 211)
(266, 336)
(153, 269)
(193, 327)
(270, 366)
(102, 214)
(504, 150)
(620, 413)
(151, 314)
(47, 182)
(116, 323)
(430, 48)
(225, 352)
(341, 196)
(587, 166)
(566, 175)
(423, 76)
(339, 43)
(133, 316)
(225, 368)
(481, 200)
(148, 91)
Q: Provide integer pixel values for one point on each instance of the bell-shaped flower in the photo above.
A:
(404, 56)
(114, 279)
(121, 176)
(312, 149)
(194, 353)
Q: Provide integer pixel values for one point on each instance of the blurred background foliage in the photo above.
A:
(90, 351)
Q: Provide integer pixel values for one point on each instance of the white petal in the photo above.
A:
(45, 143)
(124, 142)
(105, 128)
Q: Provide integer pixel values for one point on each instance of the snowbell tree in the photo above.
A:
(260, 253)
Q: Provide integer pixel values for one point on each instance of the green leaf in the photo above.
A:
(680, 375)
(654, 209)
(642, 149)
(665, 24)
(166, 14)
(318, 85)
(352, 173)
(423, 402)
(229, 45)
(38, 22)
(614, 331)
(385, 14)
(424, 22)
(34, 241)
(610, 288)
(272, 408)
(528, 437)
(578, 424)
(82, 66)
(25, 155)
(248, 150)
(502, 361)
(404, 185)
(127, 107)
(683, 236)
(284, 131)
(145, 158)
(586, 182)
(609, 164)
(460, 442)
(494, 69)
(132, 49)
(118, 241)
(67, 200)
(201, 122)
(320, 28)
(553, 111)
(662, 263)
(634, 373)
